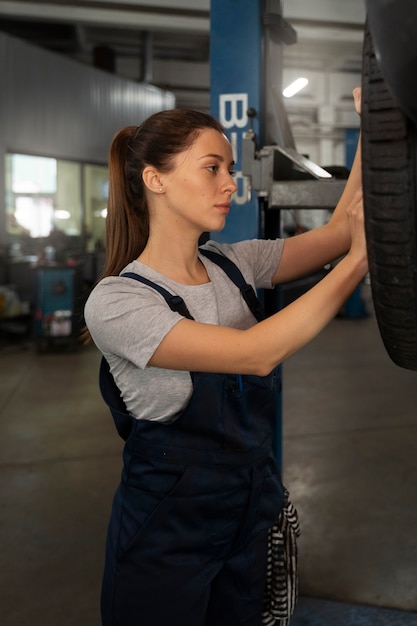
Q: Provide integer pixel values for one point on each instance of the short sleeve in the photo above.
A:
(128, 319)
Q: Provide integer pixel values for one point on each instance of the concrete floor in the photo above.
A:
(350, 462)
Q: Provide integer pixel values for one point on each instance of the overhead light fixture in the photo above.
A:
(295, 87)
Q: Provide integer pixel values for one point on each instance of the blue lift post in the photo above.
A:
(246, 40)
(236, 85)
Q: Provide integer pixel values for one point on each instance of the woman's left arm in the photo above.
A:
(312, 250)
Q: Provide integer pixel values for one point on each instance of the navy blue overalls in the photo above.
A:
(187, 539)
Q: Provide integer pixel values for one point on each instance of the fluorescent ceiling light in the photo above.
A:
(295, 87)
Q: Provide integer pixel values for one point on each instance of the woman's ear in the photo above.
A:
(152, 179)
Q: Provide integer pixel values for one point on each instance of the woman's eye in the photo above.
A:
(213, 168)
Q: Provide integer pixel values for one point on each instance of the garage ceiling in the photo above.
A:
(167, 43)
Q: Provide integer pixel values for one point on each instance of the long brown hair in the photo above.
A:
(155, 143)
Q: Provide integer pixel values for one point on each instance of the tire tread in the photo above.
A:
(389, 145)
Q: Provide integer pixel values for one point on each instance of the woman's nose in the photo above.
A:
(231, 185)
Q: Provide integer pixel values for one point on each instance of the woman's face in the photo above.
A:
(199, 188)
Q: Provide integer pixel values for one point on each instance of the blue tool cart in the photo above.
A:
(56, 311)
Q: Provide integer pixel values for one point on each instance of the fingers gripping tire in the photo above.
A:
(389, 148)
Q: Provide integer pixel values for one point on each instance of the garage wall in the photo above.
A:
(52, 106)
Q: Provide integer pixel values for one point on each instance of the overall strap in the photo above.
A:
(236, 276)
(108, 388)
(175, 303)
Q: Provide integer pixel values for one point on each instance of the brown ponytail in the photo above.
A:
(127, 222)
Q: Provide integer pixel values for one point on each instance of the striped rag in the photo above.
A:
(281, 589)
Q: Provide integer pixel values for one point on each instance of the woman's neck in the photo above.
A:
(177, 261)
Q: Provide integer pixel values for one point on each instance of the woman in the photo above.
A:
(195, 367)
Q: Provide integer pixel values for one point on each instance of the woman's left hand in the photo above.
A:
(357, 99)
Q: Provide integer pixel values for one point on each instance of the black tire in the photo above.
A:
(389, 145)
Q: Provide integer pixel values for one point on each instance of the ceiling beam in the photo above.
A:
(116, 15)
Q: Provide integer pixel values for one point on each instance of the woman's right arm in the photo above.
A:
(194, 346)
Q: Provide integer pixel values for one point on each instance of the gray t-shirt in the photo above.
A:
(128, 320)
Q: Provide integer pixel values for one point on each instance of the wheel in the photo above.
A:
(389, 144)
